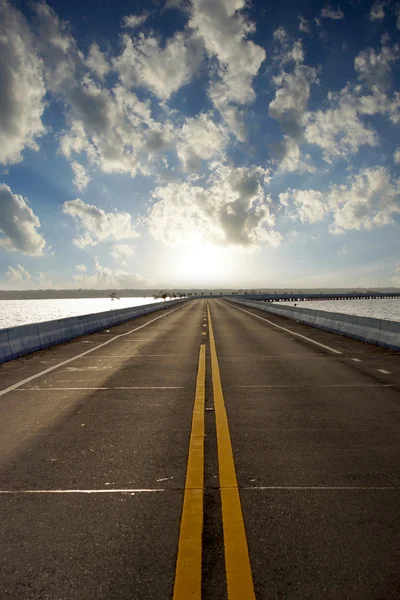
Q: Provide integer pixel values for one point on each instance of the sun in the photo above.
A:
(202, 264)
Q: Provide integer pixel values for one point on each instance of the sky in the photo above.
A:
(190, 143)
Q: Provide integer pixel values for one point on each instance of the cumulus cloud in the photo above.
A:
(105, 278)
(133, 21)
(18, 274)
(19, 224)
(328, 12)
(120, 252)
(289, 106)
(291, 98)
(374, 68)
(223, 28)
(97, 61)
(396, 156)
(97, 224)
(111, 126)
(81, 268)
(200, 138)
(309, 206)
(115, 129)
(339, 131)
(162, 70)
(20, 278)
(377, 12)
(81, 178)
(371, 199)
(232, 211)
(396, 276)
(304, 25)
(22, 88)
(288, 156)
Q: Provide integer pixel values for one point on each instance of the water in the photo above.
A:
(22, 312)
(378, 309)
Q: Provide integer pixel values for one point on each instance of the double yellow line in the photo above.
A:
(237, 563)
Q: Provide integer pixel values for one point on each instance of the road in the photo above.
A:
(210, 451)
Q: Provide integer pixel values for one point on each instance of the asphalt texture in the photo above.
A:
(315, 440)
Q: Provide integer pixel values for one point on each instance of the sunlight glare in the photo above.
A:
(202, 264)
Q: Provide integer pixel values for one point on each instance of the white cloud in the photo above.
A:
(344, 250)
(339, 130)
(377, 12)
(20, 278)
(396, 276)
(97, 61)
(371, 199)
(120, 252)
(224, 30)
(304, 25)
(106, 278)
(18, 274)
(328, 12)
(81, 178)
(111, 126)
(232, 211)
(374, 68)
(133, 21)
(200, 138)
(114, 128)
(291, 98)
(98, 225)
(162, 70)
(396, 156)
(19, 224)
(289, 106)
(22, 87)
(288, 156)
(81, 268)
(309, 206)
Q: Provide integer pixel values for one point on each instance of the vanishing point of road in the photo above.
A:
(207, 451)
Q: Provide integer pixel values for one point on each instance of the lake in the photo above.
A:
(22, 312)
(378, 309)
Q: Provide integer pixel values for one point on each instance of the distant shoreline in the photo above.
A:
(150, 293)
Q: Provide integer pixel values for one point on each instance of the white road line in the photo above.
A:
(58, 389)
(318, 385)
(164, 387)
(64, 389)
(105, 491)
(288, 330)
(66, 362)
(383, 371)
(356, 359)
(321, 487)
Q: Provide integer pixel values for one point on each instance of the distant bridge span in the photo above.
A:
(297, 297)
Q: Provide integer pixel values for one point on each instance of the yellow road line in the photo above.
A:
(188, 565)
(237, 562)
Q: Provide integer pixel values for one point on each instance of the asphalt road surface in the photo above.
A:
(209, 451)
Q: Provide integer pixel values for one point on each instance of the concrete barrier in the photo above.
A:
(5, 348)
(373, 331)
(389, 335)
(17, 341)
(24, 339)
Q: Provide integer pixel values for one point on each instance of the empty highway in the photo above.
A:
(206, 451)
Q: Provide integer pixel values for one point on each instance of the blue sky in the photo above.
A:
(199, 143)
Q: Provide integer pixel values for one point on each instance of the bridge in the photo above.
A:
(206, 451)
(298, 296)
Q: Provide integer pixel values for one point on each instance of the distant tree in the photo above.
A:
(164, 296)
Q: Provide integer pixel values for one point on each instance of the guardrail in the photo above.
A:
(374, 331)
(24, 339)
